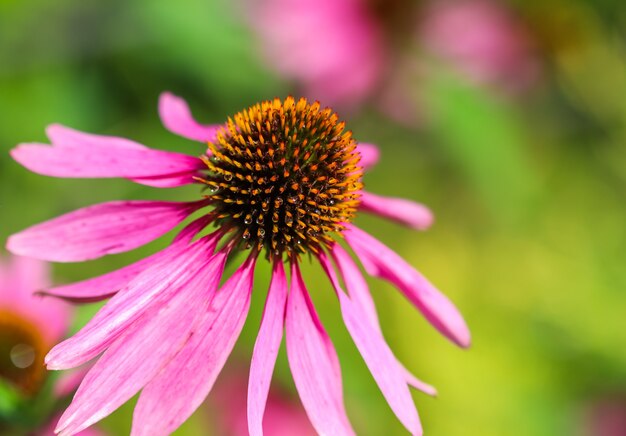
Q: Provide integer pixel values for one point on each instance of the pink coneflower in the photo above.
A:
(345, 52)
(333, 48)
(481, 39)
(29, 326)
(284, 181)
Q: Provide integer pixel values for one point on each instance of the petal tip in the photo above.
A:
(14, 246)
(463, 338)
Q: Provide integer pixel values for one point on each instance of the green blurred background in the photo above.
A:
(528, 191)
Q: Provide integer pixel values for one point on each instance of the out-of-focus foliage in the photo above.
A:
(529, 193)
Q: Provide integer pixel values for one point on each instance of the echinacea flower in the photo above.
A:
(346, 52)
(333, 48)
(483, 40)
(29, 326)
(284, 180)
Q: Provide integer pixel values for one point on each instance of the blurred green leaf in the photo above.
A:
(485, 138)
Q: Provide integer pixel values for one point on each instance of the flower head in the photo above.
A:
(284, 178)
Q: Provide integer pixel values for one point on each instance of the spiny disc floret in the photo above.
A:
(285, 175)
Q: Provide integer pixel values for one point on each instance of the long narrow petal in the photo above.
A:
(380, 261)
(101, 162)
(314, 363)
(171, 397)
(355, 283)
(170, 180)
(404, 211)
(64, 137)
(149, 290)
(359, 293)
(266, 349)
(377, 355)
(104, 286)
(145, 348)
(369, 155)
(101, 229)
(177, 118)
(107, 285)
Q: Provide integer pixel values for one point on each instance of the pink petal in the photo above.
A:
(62, 136)
(170, 180)
(355, 282)
(101, 229)
(177, 118)
(380, 261)
(313, 362)
(77, 154)
(65, 137)
(266, 349)
(377, 355)
(417, 383)
(359, 293)
(171, 397)
(148, 291)
(404, 211)
(369, 155)
(107, 285)
(143, 349)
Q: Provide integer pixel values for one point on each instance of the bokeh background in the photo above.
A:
(507, 118)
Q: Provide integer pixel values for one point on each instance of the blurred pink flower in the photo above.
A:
(333, 48)
(605, 416)
(482, 40)
(343, 52)
(284, 416)
(285, 179)
(29, 325)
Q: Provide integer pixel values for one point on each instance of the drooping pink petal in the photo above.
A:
(404, 211)
(355, 283)
(177, 118)
(266, 349)
(314, 363)
(369, 155)
(101, 229)
(359, 293)
(148, 291)
(377, 355)
(171, 397)
(106, 285)
(380, 261)
(143, 349)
